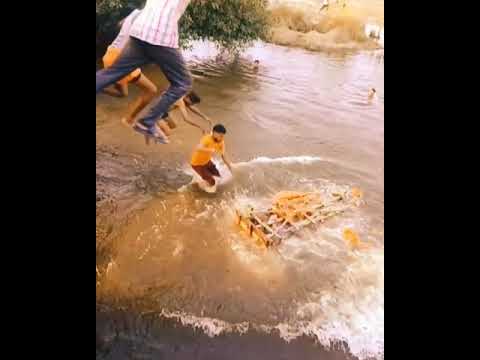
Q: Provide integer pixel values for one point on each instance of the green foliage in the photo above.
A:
(110, 12)
(231, 24)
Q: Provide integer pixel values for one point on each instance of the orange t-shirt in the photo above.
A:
(200, 158)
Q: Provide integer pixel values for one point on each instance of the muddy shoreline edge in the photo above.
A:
(125, 183)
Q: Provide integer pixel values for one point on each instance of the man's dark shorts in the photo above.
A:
(207, 172)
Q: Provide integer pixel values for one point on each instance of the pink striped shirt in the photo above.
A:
(158, 22)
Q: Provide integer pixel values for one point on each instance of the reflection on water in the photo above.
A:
(301, 121)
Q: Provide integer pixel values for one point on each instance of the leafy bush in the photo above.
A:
(231, 24)
(110, 12)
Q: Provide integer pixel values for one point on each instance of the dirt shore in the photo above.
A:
(125, 182)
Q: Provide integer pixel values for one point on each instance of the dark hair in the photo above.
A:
(193, 97)
(257, 61)
(219, 128)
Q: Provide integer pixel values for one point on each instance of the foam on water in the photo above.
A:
(282, 160)
(343, 297)
(210, 326)
(351, 311)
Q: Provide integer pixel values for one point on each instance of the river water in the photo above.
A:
(301, 121)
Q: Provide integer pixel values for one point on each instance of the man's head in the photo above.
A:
(257, 62)
(192, 98)
(218, 132)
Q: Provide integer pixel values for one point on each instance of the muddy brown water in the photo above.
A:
(302, 121)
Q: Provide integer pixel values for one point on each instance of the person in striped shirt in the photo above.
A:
(120, 88)
(153, 39)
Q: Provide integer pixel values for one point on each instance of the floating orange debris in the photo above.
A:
(291, 211)
(352, 238)
(357, 193)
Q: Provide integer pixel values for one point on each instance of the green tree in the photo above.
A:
(110, 12)
(231, 24)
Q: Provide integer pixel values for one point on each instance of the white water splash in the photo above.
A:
(287, 160)
(210, 326)
(352, 312)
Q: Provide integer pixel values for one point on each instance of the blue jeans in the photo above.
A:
(138, 53)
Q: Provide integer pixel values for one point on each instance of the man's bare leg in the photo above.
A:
(163, 125)
(117, 90)
(149, 90)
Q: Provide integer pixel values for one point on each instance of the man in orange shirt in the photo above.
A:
(201, 161)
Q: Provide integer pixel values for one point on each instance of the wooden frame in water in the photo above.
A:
(290, 213)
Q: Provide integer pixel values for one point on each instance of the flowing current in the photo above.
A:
(302, 121)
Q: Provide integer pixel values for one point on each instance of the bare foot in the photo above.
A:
(171, 123)
(127, 121)
(164, 127)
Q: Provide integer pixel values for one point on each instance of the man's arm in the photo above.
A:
(203, 148)
(199, 113)
(227, 162)
(185, 116)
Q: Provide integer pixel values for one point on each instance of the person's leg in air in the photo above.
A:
(172, 64)
(120, 88)
(170, 122)
(131, 58)
(164, 124)
(148, 91)
(117, 90)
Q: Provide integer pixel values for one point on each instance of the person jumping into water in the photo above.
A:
(201, 160)
(153, 39)
(120, 88)
(184, 105)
